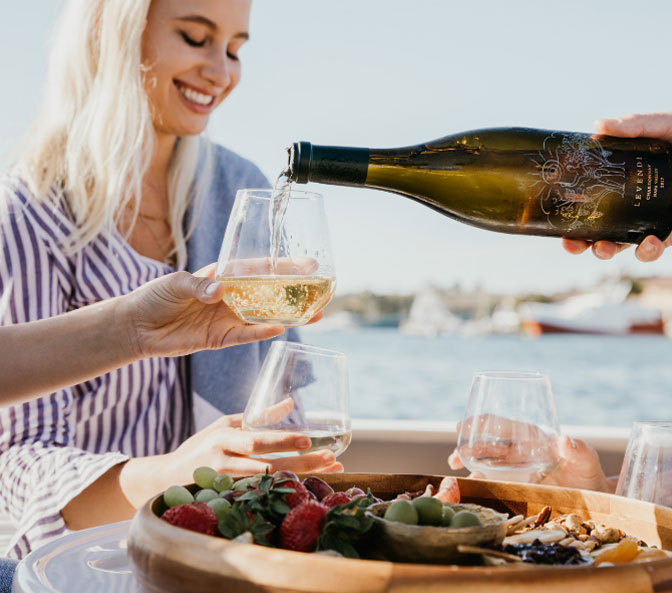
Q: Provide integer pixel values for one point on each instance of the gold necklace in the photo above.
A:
(162, 219)
(169, 259)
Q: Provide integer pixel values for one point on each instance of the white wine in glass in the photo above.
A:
(275, 261)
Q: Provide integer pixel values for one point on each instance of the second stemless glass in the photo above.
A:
(647, 467)
(510, 426)
(302, 388)
(275, 259)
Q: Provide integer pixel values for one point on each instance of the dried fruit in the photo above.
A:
(624, 551)
(318, 487)
(302, 526)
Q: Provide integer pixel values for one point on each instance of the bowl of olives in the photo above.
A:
(427, 530)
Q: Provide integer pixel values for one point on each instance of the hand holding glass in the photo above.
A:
(510, 427)
(302, 388)
(275, 259)
(646, 473)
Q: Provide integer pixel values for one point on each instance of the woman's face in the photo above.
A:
(190, 50)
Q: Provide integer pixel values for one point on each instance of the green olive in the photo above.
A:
(448, 514)
(402, 511)
(465, 519)
(430, 510)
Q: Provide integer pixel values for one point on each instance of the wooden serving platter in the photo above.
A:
(171, 560)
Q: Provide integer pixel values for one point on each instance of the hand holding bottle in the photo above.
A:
(649, 125)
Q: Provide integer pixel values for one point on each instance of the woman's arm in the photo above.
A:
(171, 316)
(117, 494)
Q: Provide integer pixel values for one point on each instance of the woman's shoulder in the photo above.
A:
(233, 170)
(19, 207)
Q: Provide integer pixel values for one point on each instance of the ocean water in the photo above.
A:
(596, 380)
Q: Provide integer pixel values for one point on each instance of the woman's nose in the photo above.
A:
(218, 70)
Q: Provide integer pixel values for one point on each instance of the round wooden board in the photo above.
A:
(172, 560)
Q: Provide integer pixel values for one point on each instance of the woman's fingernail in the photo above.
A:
(210, 290)
(302, 443)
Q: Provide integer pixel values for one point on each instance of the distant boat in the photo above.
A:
(606, 312)
(429, 316)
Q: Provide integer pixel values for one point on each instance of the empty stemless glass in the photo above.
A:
(302, 388)
(646, 473)
(275, 259)
(510, 427)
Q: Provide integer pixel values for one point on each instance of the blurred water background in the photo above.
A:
(597, 380)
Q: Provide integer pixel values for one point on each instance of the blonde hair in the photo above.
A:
(94, 137)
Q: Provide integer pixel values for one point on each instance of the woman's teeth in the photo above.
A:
(195, 96)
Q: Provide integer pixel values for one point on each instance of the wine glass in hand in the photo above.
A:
(275, 261)
(302, 388)
(510, 427)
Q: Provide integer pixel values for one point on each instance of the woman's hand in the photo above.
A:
(182, 313)
(228, 449)
(650, 125)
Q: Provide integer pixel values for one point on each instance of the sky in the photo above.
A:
(386, 73)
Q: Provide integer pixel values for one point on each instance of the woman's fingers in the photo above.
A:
(310, 462)
(243, 442)
(298, 266)
(271, 414)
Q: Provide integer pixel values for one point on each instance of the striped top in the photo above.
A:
(52, 448)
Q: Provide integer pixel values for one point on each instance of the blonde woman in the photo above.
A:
(113, 189)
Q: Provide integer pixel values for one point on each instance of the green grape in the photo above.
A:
(223, 482)
(448, 514)
(402, 511)
(204, 476)
(205, 495)
(177, 495)
(430, 510)
(220, 506)
(465, 519)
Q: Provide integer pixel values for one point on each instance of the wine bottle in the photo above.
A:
(516, 180)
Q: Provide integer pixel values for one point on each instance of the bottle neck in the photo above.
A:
(327, 164)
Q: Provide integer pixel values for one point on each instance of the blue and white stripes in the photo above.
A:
(54, 447)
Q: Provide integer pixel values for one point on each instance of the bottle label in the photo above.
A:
(574, 175)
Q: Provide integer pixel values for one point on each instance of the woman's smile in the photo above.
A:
(196, 99)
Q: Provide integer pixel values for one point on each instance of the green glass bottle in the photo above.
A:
(516, 180)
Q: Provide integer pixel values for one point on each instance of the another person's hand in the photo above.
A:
(579, 467)
(650, 125)
(182, 313)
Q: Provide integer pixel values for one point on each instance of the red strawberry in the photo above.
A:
(336, 498)
(302, 526)
(197, 516)
(299, 496)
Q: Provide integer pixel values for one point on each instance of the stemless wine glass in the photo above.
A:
(646, 473)
(302, 388)
(275, 259)
(510, 426)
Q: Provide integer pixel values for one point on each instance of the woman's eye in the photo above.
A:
(232, 55)
(189, 41)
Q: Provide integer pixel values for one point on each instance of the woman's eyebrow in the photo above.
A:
(201, 20)
(197, 18)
